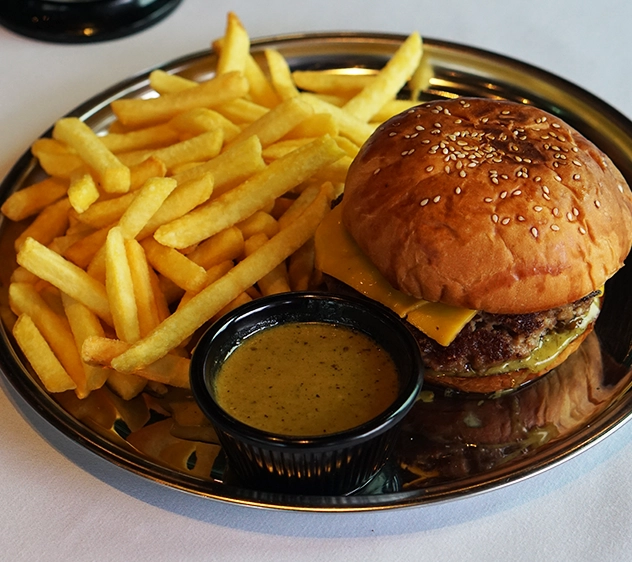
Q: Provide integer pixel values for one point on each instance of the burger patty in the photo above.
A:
(491, 339)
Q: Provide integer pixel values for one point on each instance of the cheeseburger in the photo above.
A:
(491, 227)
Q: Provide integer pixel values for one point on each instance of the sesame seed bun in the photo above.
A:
(489, 205)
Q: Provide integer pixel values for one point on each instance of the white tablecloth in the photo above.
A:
(61, 502)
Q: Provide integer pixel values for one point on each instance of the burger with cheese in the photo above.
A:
(491, 227)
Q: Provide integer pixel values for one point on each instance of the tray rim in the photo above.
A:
(53, 413)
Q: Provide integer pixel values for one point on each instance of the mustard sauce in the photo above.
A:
(307, 379)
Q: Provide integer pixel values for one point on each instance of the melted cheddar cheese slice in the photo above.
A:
(338, 255)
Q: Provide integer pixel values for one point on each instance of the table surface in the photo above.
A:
(61, 502)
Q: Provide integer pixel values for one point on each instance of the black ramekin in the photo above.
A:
(332, 464)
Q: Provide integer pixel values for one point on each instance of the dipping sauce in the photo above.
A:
(307, 379)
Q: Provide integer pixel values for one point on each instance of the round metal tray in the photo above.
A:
(451, 446)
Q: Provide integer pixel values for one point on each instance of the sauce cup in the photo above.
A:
(326, 463)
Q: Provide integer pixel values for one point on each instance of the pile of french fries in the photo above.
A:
(195, 201)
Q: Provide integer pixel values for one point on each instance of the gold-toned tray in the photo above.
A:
(451, 446)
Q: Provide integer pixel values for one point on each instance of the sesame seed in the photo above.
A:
(516, 193)
(437, 125)
(503, 194)
(555, 125)
(495, 218)
(556, 212)
(505, 112)
(620, 188)
(537, 208)
(534, 231)
(555, 227)
(495, 180)
(545, 196)
(392, 134)
(576, 177)
(420, 128)
(582, 230)
(376, 171)
(488, 199)
(597, 203)
(558, 178)
(462, 173)
(424, 202)
(576, 211)
(520, 218)
(546, 189)
(429, 168)
(505, 221)
(569, 216)
(577, 163)
(436, 199)
(447, 169)
(457, 190)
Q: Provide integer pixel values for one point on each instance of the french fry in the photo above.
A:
(40, 356)
(316, 125)
(233, 166)
(149, 199)
(113, 175)
(198, 148)
(280, 74)
(119, 287)
(174, 265)
(82, 192)
(148, 314)
(82, 252)
(202, 119)
(141, 139)
(49, 224)
(389, 80)
(66, 276)
(299, 204)
(151, 167)
(212, 275)
(171, 369)
(283, 147)
(83, 324)
(182, 323)
(276, 281)
(54, 328)
(251, 196)
(350, 126)
(301, 267)
(277, 122)
(34, 198)
(261, 90)
(420, 79)
(165, 83)
(55, 158)
(213, 92)
(242, 110)
(259, 222)
(126, 385)
(327, 82)
(225, 245)
(105, 213)
(180, 201)
(235, 47)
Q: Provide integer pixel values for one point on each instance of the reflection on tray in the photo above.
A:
(445, 438)
(453, 437)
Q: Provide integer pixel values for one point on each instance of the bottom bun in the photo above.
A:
(488, 384)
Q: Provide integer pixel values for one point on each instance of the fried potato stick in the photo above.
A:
(203, 306)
